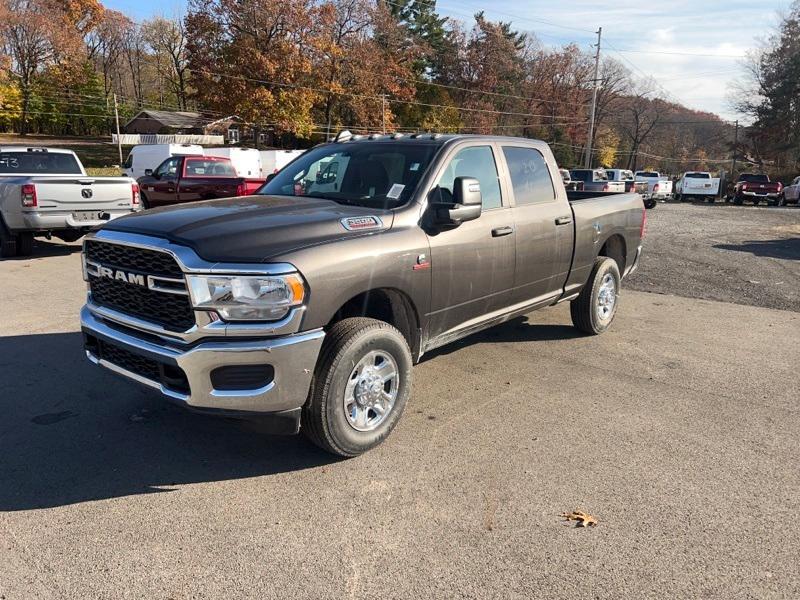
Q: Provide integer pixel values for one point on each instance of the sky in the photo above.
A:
(692, 49)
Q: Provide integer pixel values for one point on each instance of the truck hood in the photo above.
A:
(250, 228)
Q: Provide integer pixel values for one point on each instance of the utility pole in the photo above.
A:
(119, 139)
(588, 163)
(383, 112)
(735, 148)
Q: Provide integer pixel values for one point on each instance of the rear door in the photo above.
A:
(473, 264)
(544, 228)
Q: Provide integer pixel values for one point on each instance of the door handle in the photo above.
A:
(501, 231)
(563, 220)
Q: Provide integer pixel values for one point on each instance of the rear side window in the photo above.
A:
(477, 162)
(44, 163)
(530, 177)
(203, 167)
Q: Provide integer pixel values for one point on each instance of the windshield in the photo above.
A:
(752, 178)
(582, 175)
(369, 174)
(698, 175)
(38, 162)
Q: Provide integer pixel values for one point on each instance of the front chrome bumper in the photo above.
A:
(291, 357)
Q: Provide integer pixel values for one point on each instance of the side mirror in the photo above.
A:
(148, 172)
(270, 177)
(466, 206)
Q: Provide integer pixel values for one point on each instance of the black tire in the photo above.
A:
(584, 308)
(25, 244)
(781, 200)
(143, 200)
(324, 420)
(738, 200)
(650, 203)
(8, 243)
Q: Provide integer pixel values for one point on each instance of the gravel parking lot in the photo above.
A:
(741, 254)
(677, 429)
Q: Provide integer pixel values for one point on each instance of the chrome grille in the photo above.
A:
(172, 311)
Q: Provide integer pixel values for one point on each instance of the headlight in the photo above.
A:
(245, 297)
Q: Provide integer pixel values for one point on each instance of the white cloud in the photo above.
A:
(658, 36)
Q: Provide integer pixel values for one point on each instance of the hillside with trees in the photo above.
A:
(302, 70)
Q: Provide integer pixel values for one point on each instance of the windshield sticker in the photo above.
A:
(361, 223)
(414, 167)
(395, 191)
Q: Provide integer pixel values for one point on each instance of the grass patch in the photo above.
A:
(104, 171)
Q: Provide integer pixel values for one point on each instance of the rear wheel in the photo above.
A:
(361, 385)
(25, 244)
(8, 244)
(594, 309)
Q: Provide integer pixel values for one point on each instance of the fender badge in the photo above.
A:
(361, 223)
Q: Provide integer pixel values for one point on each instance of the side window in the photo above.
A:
(530, 177)
(168, 168)
(477, 162)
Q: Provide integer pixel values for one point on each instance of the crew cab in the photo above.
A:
(192, 178)
(307, 304)
(697, 185)
(596, 180)
(756, 187)
(46, 192)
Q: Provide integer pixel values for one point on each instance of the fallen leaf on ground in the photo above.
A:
(583, 519)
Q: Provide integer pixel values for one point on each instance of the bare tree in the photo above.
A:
(167, 39)
(642, 112)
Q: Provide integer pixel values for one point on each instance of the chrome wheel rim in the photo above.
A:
(371, 391)
(606, 297)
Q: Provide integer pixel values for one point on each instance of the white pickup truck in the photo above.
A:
(45, 191)
(697, 185)
(659, 187)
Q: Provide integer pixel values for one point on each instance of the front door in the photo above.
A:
(545, 231)
(473, 264)
(161, 189)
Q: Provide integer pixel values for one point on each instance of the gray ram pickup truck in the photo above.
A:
(307, 304)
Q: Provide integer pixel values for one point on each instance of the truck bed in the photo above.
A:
(597, 216)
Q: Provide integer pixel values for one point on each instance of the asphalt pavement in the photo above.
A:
(677, 430)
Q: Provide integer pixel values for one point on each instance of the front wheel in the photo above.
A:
(594, 309)
(361, 385)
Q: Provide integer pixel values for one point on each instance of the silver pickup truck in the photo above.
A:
(45, 191)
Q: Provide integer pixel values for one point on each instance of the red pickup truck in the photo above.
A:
(190, 178)
(755, 187)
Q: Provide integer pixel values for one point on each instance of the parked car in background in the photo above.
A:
(596, 180)
(149, 156)
(246, 161)
(756, 187)
(306, 306)
(659, 187)
(190, 178)
(46, 192)
(631, 185)
(273, 161)
(697, 185)
(791, 193)
(569, 184)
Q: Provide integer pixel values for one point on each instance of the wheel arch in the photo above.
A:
(387, 304)
(615, 247)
